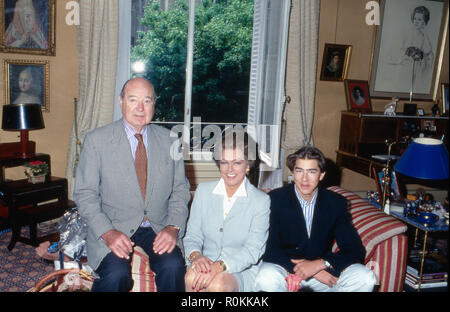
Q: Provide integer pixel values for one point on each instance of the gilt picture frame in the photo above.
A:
(407, 50)
(336, 58)
(27, 81)
(28, 26)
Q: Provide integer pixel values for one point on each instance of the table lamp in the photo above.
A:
(425, 158)
(22, 117)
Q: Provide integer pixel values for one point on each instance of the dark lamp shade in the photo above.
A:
(425, 158)
(22, 117)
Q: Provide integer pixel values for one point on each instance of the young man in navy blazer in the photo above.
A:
(304, 222)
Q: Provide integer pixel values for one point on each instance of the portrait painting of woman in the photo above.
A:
(27, 83)
(27, 26)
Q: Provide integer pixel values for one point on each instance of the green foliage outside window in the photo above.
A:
(222, 49)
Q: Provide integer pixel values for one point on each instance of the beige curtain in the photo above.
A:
(97, 56)
(301, 74)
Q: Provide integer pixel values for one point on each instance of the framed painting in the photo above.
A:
(407, 50)
(27, 26)
(27, 82)
(444, 98)
(357, 94)
(336, 58)
(394, 189)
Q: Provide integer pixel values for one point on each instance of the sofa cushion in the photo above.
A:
(143, 276)
(372, 224)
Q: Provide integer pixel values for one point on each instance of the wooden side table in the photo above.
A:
(27, 205)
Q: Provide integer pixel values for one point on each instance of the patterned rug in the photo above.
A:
(21, 267)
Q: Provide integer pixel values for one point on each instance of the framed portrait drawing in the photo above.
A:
(358, 96)
(27, 26)
(335, 62)
(444, 98)
(27, 81)
(407, 49)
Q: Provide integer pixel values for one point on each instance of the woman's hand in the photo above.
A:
(202, 280)
(201, 264)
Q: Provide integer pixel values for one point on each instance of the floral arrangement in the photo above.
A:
(36, 168)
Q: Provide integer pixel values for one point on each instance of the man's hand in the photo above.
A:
(326, 278)
(165, 240)
(120, 244)
(307, 268)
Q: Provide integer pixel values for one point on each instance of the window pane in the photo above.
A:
(221, 66)
(161, 45)
(222, 51)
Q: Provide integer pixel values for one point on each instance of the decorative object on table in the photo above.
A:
(435, 110)
(391, 107)
(444, 98)
(427, 217)
(416, 58)
(28, 26)
(336, 58)
(420, 112)
(36, 171)
(386, 174)
(27, 81)
(410, 109)
(357, 95)
(22, 117)
(387, 206)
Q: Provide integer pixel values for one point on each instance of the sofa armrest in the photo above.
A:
(372, 224)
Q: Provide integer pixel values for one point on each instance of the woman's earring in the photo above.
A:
(247, 170)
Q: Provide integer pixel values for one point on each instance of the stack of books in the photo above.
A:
(434, 274)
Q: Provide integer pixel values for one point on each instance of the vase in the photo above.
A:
(37, 179)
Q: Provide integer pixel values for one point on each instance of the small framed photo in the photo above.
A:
(428, 125)
(336, 58)
(420, 112)
(357, 94)
(27, 81)
(27, 26)
(444, 98)
(394, 192)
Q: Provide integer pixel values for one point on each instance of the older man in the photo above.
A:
(130, 191)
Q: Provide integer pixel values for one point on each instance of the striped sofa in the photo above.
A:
(384, 238)
(382, 235)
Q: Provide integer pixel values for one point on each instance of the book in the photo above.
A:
(425, 285)
(430, 265)
(413, 273)
(425, 281)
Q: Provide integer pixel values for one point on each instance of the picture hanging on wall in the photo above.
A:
(27, 82)
(357, 94)
(407, 49)
(27, 26)
(336, 58)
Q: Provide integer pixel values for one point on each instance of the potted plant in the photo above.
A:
(36, 171)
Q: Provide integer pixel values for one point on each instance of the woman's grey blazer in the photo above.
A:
(239, 239)
(107, 191)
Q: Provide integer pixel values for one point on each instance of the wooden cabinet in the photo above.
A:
(364, 135)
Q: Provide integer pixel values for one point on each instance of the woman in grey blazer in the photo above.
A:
(228, 224)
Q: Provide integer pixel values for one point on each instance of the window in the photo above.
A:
(222, 42)
(206, 60)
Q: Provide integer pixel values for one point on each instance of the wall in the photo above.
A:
(343, 22)
(63, 72)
